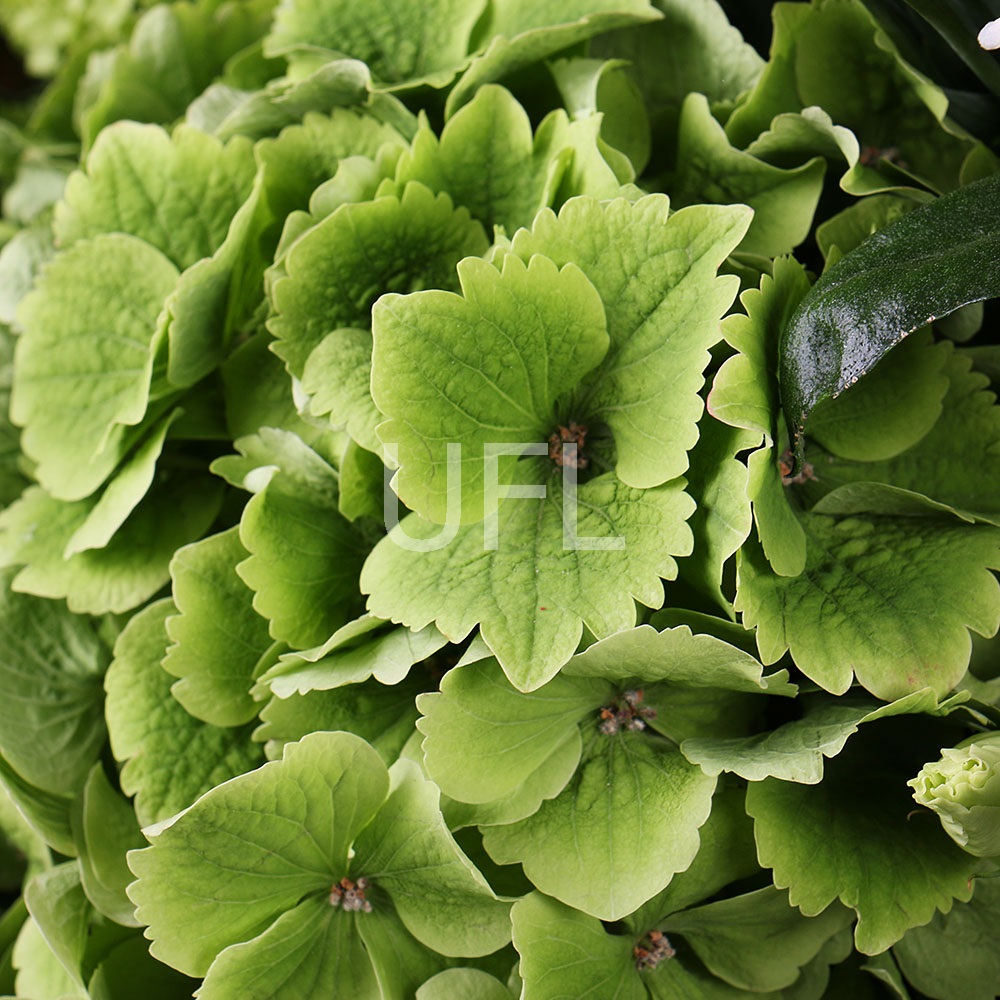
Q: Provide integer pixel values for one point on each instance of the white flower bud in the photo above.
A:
(989, 37)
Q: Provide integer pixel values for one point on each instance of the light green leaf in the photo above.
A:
(383, 716)
(617, 833)
(337, 269)
(487, 368)
(606, 90)
(886, 600)
(892, 407)
(401, 962)
(347, 658)
(463, 984)
(438, 894)
(401, 47)
(841, 233)
(168, 757)
(717, 480)
(294, 821)
(832, 55)
(105, 828)
(678, 658)
(174, 52)
(288, 99)
(533, 594)
(303, 156)
(311, 950)
(951, 463)
(795, 751)
(46, 813)
(51, 730)
(566, 955)
(809, 835)
(144, 182)
(694, 49)
(656, 276)
(39, 972)
(484, 738)
(304, 555)
(517, 34)
(756, 941)
(726, 854)
(745, 394)
(487, 161)
(88, 335)
(952, 957)
(711, 170)
(126, 572)
(218, 639)
(123, 493)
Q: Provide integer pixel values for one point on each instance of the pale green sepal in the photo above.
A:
(463, 984)
(143, 181)
(464, 373)
(483, 738)
(809, 836)
(657, 278)
(123, 493)
(130, 569)
(626, 822)
(105, 828)
(304, 555)
(757, 941)
(438, 894)
(168, 757)
(521, 34)
(533, 594)
(951, 957)
(711, 170)
(312, 950)
(565, 953)
(89, 328)
(217, 637)
(676, 656)
(51, 729)
(294, 821)
(352, 655)
(406, 48)
(796, 750)
(873, 602)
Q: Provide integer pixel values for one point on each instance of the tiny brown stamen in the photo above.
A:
(350, 895)
(651, 950)
(626, 713)
(786, 464)
(575, 434)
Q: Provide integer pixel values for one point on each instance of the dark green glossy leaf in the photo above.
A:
(921, 267)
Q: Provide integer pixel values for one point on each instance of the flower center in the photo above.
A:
(651, 950)
(626, 713)
(350, 895)
(566, 446)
